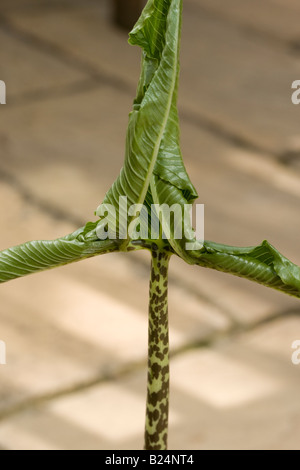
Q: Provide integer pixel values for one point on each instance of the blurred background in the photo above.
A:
(76, 337)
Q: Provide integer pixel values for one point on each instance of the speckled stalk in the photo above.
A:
(157, 412)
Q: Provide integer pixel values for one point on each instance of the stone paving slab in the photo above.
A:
(86, 34)
(244, 302)
(79, 144)
(278, 19)
(35, 4)
(60, 152)
(27, 69)
(77, 141)
(238, 81)
(221, 397)
(79, 323)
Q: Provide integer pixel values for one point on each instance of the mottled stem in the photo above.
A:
(157, 412)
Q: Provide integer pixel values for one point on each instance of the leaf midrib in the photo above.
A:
(164, 124)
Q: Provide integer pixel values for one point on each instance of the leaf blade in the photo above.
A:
(37, 256)
(262, 264)
(152, 144)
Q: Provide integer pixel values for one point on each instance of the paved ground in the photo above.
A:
(76, 337)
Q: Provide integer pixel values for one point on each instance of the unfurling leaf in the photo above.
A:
(36, 256)
(153, 170)
(262, 264)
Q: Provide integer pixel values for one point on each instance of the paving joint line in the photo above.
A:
(291, 47)
(223, 133)
(103, 78)
(211, 341)
(57, 213)
(45, 207)
(93, 82)
(66, 57)
(62, 215)
(73, 88)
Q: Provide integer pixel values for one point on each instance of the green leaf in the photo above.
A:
(154, 172)
(262, 264)
(152, 147)
(38, 256)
